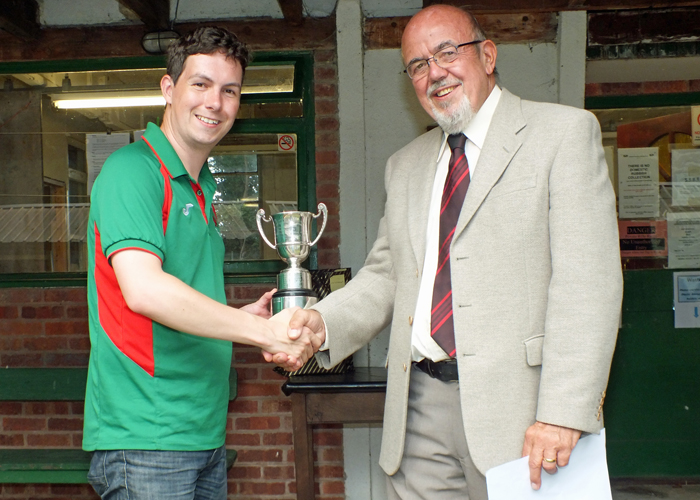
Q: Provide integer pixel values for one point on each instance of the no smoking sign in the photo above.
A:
(286, 142)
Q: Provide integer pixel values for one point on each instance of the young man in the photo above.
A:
(503, 319)
(160, 330)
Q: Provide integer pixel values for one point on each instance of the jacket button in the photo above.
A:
(410, 320)
(404, 367)
(417, 273)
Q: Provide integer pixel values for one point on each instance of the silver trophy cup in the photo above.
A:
(293, 243)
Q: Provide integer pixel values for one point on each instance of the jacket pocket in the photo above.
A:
(513, 185)
(533, 350)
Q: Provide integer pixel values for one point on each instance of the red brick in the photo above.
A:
(326, 191)
(276, 406)
(330, 471)
(8, 440)
(248, 373)
(257, 423)
(631, 88)
(327, 123)
(277, 439)
(267, 488)
(20, 295)
(327, 157)
(259, 455)
(326, 107)
(328, 438)
(247, 356)
(23, 424)
(328, 242)
(72, 294)
(42, 312)
(243, 439)
(694, 85)
(81, 343)
(69, 359)
(665, 87)
(327, 140)
(77, 312)
(252, 389)
(77, 408)
(45, 343)
(21, 360)
(245, 473)
(270, 374)
(65, 424)
(324, 56)
(62, 407)
(10, 408)
(333, 487)
(325, 72)
(39, 408)
(67, 327)
(8, 344)
(332, 454)
(328, 259)
(49, 440)
(8, 312)
(327, 173)
(243, 406)
(282, 472)
(21, 327)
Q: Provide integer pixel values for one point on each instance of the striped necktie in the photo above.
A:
(456, 184)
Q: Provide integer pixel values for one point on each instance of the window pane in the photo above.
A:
(46, 173)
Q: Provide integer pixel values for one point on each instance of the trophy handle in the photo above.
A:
(261, 215)
(321, 210)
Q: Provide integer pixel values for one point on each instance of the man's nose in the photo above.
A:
(213, 99)
(435, 72)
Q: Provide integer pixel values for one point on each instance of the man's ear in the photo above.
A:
(166, 87)
(488, 55)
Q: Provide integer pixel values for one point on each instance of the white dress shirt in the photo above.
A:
(422, 344)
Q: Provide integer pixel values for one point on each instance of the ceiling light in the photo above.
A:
(91, 100)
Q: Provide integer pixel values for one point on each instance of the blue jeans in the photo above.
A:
(159, 475)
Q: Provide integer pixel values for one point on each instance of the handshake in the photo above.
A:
(291, 336)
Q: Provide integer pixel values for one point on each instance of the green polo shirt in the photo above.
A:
(151, 387)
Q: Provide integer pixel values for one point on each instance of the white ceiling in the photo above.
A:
(61, 13)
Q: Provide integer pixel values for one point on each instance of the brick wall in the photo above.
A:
(642, 88)
(48, 328)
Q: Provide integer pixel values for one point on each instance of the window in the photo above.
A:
(60, 120)
(655, 169)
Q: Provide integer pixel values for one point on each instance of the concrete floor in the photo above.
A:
(636, 491)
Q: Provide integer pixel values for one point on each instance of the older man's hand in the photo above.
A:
(549, 446)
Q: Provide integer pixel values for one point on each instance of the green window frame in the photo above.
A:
(253, 271)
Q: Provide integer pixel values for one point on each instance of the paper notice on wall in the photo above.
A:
(643, 238)
(695, 124)
(683, 239)
(99, 147)
(685, 168)
(638, 181)
(686, 299)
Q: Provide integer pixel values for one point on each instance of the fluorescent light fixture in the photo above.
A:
(94, 100)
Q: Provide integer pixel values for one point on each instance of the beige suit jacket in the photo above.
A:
(536, 277)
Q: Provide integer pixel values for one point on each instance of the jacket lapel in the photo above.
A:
(500, 146)
(420, 185)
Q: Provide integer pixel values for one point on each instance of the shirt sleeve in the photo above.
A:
(128, 195)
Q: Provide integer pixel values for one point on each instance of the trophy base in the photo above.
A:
(284, 299)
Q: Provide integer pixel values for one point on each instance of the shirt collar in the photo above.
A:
(161, 144)
(479, 125)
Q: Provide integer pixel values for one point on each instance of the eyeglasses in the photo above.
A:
(443, 58)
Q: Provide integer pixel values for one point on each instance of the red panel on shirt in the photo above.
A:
(130, 332)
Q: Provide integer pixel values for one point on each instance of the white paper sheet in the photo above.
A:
(638, 181)
(585, 478)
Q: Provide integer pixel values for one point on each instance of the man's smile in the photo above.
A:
(208, 121)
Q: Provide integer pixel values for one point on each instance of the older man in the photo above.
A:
(497, 264)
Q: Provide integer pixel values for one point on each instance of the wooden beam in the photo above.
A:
(125, 41)
(293, 11)
(155, 14)
(20, 18)
(483, 6)
(629, 27)
(385, 33)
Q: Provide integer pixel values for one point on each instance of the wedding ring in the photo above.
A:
(550, 460)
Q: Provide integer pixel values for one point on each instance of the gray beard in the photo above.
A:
(457, 121)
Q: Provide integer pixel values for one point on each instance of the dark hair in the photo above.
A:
(205, 40)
